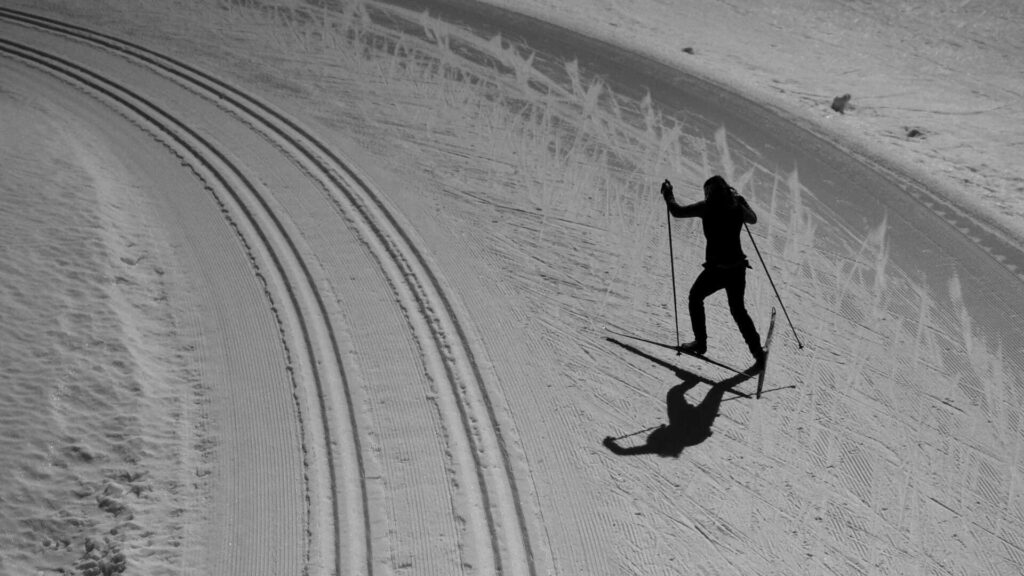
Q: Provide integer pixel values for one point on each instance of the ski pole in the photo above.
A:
(781, 303)
(672, 266)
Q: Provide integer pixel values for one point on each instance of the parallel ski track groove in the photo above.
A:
(96, 82)
(246, 103)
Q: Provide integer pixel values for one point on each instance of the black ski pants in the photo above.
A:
(734, 280)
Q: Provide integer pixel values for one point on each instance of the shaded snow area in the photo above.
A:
(340, 288)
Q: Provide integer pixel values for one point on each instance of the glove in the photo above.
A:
(666, 191)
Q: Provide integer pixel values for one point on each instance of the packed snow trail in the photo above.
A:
(239, 197)
(482, 495)
(928, 234)
(896, 453)
(801, 482)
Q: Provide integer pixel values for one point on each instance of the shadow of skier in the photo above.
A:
(688, 425)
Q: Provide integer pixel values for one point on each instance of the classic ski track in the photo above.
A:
(247, 201)
(409, 272)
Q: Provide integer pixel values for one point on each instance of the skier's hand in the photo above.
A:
(609, 442)
(666, 191)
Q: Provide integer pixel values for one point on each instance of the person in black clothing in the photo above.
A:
(723, 212)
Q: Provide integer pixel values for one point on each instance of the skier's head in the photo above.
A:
(718, 192)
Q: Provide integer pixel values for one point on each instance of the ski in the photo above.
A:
(678, 351)
(767, 344)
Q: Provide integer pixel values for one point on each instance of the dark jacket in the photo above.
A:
(723, 218)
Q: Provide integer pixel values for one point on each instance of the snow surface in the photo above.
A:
(227, 351)
(948, 69)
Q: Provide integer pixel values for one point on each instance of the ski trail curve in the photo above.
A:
(259, 229)
(481, 454)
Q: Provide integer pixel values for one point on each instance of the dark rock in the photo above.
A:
(841, 103)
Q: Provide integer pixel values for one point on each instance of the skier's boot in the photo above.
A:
(696, 348)
(760, 355)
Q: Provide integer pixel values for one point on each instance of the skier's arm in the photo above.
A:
(687, 211)
(749, 216)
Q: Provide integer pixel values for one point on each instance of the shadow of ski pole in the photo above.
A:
(684, 374)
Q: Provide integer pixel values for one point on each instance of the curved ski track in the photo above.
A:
(480, 453)
(216, 170)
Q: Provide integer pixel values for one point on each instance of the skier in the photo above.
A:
(723, 213)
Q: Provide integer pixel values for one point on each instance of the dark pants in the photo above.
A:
(734, 280)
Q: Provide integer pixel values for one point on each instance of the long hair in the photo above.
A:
(717, 191)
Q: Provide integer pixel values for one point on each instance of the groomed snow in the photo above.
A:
(344, 312)
(935, 85)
